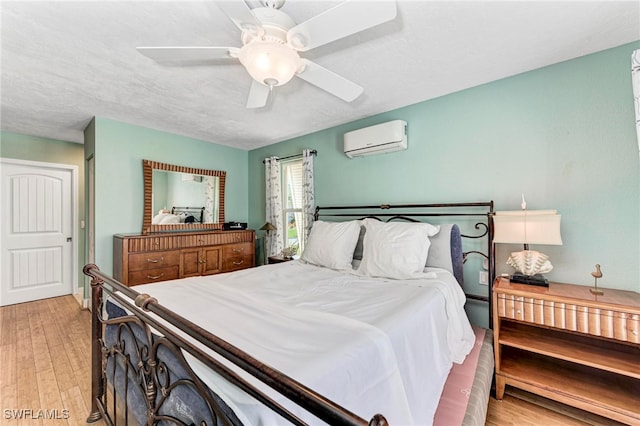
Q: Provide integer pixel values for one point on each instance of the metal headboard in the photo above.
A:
(410, 212)
(197, 212)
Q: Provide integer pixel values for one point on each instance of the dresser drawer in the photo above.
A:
(157, 259)
(237, 262)
(234, 250)
(153, 275)
(609, 323)
(237, 256)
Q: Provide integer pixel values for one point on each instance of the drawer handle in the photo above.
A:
(201, 240)
(634, 332)
(156, 277)
(155, 260)
(518, 312)
(238, 262)
(237, 250)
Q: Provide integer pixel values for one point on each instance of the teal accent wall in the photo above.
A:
(119, 149)
(32, 148)
(563, 135)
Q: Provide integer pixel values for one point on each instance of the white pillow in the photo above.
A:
(396, 250)
(158, 218)
(331, 244)
(170, 218)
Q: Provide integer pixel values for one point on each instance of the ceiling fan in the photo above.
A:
(271, 41)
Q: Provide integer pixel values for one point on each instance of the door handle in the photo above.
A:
(69, 239)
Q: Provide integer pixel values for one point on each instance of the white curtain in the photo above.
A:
(273, 211)
(211, 191)
(635, 81)
(308, 199)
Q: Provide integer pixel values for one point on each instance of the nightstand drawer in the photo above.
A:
(609, 323)
(521, 308)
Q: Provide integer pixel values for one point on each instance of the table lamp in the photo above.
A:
(528, 227)
(267, 227)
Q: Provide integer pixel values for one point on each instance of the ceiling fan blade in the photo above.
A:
(241, 15)
(179, 54)
(340, 21)
(258, 95)
(330, 81)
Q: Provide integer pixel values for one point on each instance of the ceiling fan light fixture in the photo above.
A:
(269, 62)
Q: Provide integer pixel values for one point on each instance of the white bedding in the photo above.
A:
(370, 345)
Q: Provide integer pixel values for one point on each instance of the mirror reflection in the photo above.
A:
(179, 198)
(184, 198)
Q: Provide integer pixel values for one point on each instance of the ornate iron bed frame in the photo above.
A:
(142, 353)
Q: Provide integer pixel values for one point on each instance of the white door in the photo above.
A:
(37, 216)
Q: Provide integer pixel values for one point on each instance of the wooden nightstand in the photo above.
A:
(568, 345)
(277, 259)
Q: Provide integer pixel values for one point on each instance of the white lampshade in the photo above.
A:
(269, 62)
(527, 227)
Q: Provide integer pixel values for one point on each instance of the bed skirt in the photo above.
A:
(465, 396)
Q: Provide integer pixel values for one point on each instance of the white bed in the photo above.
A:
(368, 322)
(330, 330)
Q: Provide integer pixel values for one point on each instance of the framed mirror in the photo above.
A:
(178, 198)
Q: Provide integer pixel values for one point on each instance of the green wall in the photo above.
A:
(119, 149)
(32, 148)
(563, 135)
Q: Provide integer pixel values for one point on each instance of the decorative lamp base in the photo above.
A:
(536, 279)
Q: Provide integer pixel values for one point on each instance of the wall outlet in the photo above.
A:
(484, 278)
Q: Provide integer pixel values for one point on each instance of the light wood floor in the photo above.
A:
(45, 359)
(38, 371)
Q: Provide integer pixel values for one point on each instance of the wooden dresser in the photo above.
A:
(568, 345)
(141, 259)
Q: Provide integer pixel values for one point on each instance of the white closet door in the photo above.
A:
(37, 231)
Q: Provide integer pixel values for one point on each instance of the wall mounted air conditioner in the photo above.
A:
(378, 139)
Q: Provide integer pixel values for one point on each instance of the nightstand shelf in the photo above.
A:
(603, 393)
(609, 356)
(565, 344)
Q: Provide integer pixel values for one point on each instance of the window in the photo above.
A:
(292, 204)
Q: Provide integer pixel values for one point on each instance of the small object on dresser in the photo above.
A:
(596, 274)
(228, 226)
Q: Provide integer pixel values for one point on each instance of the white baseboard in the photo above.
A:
(85, 303)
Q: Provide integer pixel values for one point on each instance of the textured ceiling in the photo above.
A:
(64, 62)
